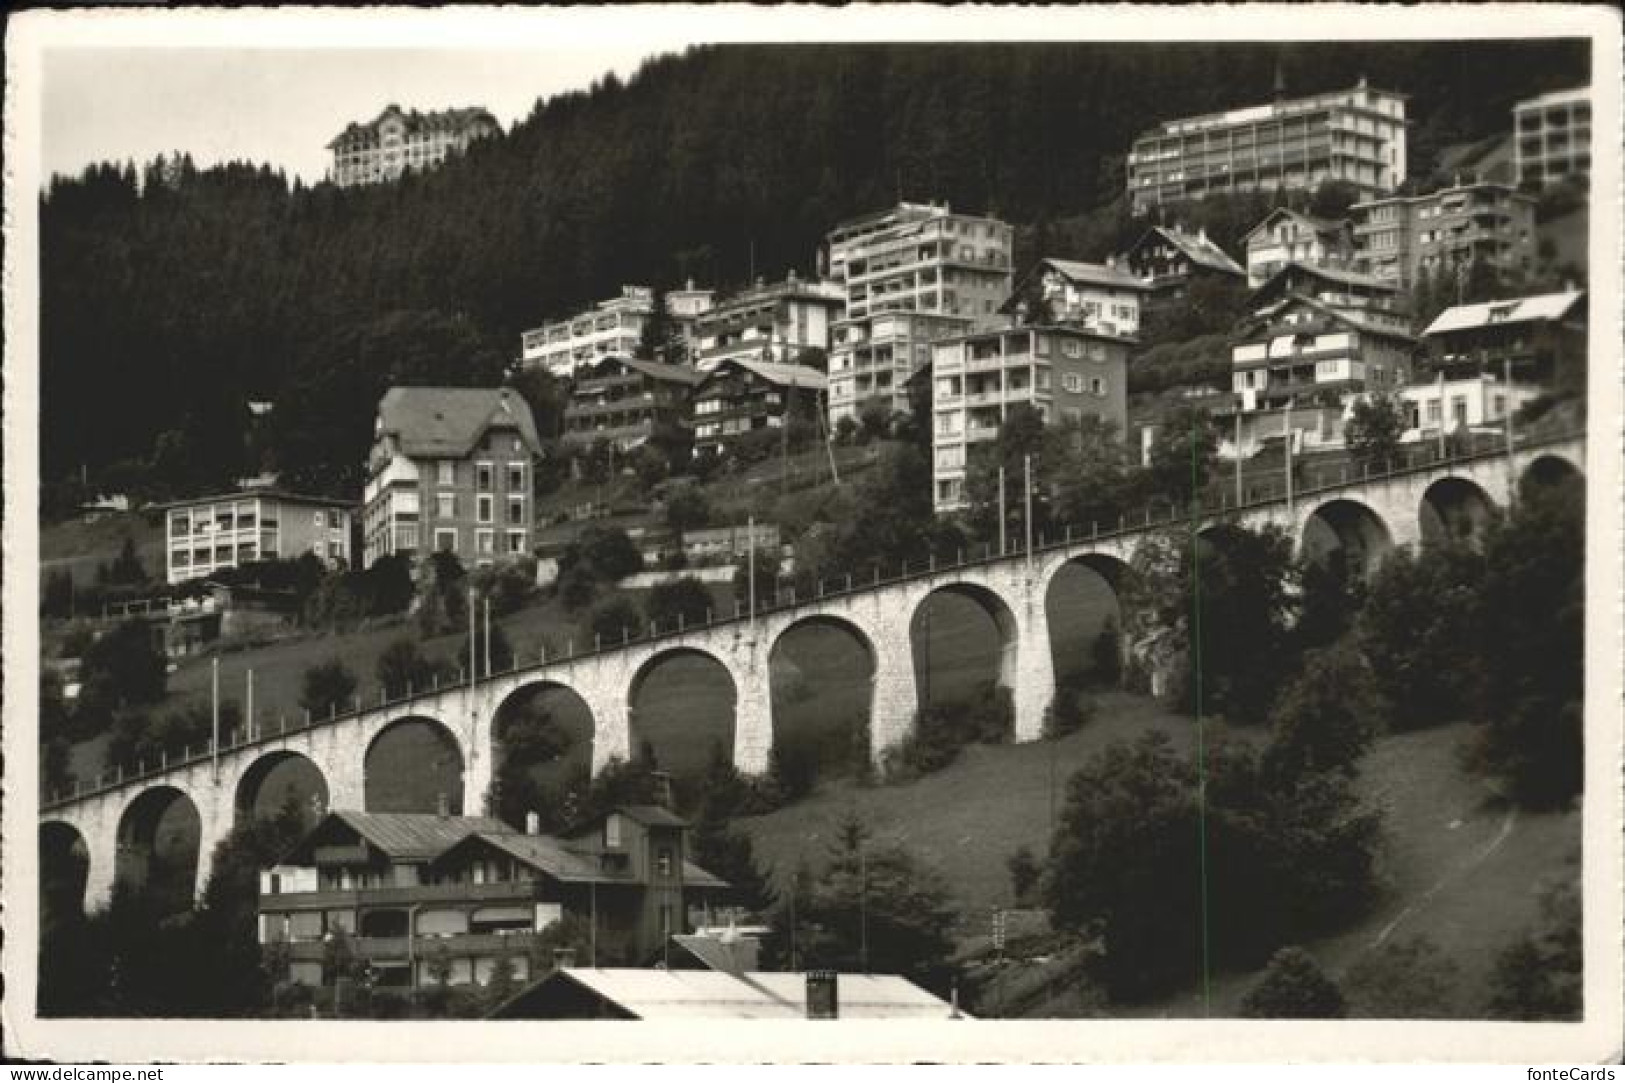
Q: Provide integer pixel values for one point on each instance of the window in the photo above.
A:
(483, 508)
(663, 861)
(516, 510)
(318, 519)
(516, 542)
(484, 543)
(446, 472)
(1433, 411)
(445, 541)
(1097, 386)
(516, 477)
(484, 474)
(1072, 382)
(445, 505)
(1072, 348)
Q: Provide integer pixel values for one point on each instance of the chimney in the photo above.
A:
(442, 806)
(823, 1000)
(533, 823)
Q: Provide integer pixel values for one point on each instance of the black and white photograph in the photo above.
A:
(1003, 534)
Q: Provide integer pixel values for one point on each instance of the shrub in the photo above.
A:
(1024, 874)
(686, 601)
(942, 730)
(1294, 987)
(327, 687)
(1106, 656)
(612, 620)
(1403, 979)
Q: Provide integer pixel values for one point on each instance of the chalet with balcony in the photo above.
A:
(1286, 236)
(1296, 372)
(1098, 297)
(628, 401)
(1361, 296)
(1542, 339)
(420, 896)
(1168, 260)
(740, 397)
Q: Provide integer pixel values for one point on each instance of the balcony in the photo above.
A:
(374, 897)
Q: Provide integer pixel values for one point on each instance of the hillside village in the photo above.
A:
(1283, 307)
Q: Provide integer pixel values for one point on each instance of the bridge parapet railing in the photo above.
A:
(1159, 514)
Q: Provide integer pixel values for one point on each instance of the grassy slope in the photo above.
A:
(1456, 867)
(81, 546)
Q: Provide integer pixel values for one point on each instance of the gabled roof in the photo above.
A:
(653, 815)
(1546, 306)
(415, 121)
(774, 372)
(1276, 283)
(1322, 226)
(404, 836)
(447, 422)
(694, 876)
(540, 852)
(714, 994)
(1093, 274)
(1196, 247)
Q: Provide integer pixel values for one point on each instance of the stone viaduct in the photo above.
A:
(1365, 516)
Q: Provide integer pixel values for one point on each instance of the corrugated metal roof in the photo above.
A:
(446, 422)
(1095, 273)
(1546, 306)
(416, 834)
(712, 994)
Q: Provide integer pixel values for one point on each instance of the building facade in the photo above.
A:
(741, 397)
(451, 471)
(610, 328)
(1285, 236)
(954, 270)
(211, 533)
(1444, 232)
(1552, 137)
(627, 401)
(1168, 260)
(1063, 373)
(1542, 338)
(1356, 136)
(1098, 297)
(1351, 293)
(1461, 406)
(420, 897)
(769, 322)
(397, 140)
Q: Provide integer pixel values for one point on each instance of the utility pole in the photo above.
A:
(863, 907)
(750, 563)
(250, 710)
(1237, 451)
(1442, 415)
(214, 684)
(1001, 509)
(1288, 426)
(1027, 484)
(1506, 389)
(488, 638)
(473, 655)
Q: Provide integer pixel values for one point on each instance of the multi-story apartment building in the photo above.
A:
(396, 141)
(1296, 371)
(451, 471)
(1542, 338)
(209, 533)
(740, 396)
(627, 401)
(1286, 236)
(421, 896)
(1063, 373)
(610, 328)
(1552, 137)
(1356, 136)
(1351, 293)
(1098, 297)
(1444, 232)
(951, 269)
(769, 322)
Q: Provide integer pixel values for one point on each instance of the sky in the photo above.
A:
(281, 106)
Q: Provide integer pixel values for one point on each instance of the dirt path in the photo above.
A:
(1473, 861)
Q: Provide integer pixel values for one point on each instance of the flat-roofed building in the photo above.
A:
(210, 533)
(768, 322)
(1356, 136)
(397, 140)
(612, 327)
(627, 401)
(1444, 232)
(953, 270)
(1552, 137)
(1063, 373)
